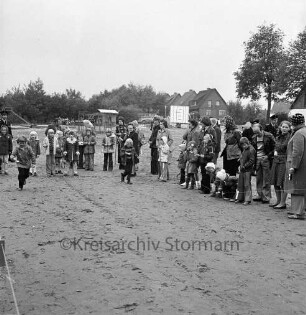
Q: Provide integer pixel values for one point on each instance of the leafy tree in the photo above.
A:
(235, 109)
(261, 70)
(296, 70)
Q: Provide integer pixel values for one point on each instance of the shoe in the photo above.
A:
(19, 188)
(265, 201)
(246, 203)
(75, 174)
(280, 207)
(296, 217)
(257, 199)
(273, 205)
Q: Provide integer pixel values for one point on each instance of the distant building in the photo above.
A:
(300, 101)
(208, 103)
(281, 107)
(173, 99)
(185, 99)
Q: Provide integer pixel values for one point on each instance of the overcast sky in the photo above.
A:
(173, 45)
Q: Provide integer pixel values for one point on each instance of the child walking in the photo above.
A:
(164, 151)
(127, 155)
(108, 145)
(24, 159)
(71, 153)
(60, 163)
(50, 144)
(89, 142)
(247, 161)
(192, 164)
(6, 147)
(182, 162)
(35, 146)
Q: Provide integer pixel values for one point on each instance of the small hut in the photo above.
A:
(103, 119)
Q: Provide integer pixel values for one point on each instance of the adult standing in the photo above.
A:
(121, 132)
(133, 135)
(264, 144)
(247, 131)
(272, 127)
(232, 152)
(192, 134)
(295, 180)
(279, 165)
(164, 132)
(153, 147)
(206, 152)
(214, 124)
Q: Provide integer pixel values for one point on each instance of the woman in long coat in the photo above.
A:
(295, 180)
(232, 151)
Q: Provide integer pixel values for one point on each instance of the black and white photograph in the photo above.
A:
(152, 157)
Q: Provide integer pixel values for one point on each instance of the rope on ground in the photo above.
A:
(9, 278)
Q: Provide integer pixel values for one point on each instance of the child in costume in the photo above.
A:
(6, 147)
(127, 159)
(35, 146)
(247, 161)
(163, 158)
(50, 144)
(192, 164)
(182, 160)
(89, 142)
(71, 153)
(24, 159)
(60, 163)
(108, 145)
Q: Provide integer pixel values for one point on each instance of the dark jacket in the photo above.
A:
(153, 137)
(192, 135)
(127, 154)
(232, 147)
(71, 147)
(247, 159)
(269, 145)
(24, 156)
(89, 144)
(273, 130)
(182, 159)
(6, 144)
(248, 133)
(121, 132)
(218, 138)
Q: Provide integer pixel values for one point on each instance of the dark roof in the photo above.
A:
(202, 94)
(173, 99)
(303, 90)
(186, 98)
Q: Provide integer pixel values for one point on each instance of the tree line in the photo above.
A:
(35, 105)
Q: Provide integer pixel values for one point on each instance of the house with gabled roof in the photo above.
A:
(209, 103)
(186, 98)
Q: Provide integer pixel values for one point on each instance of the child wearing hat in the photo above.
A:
(182, 160)
(108, 145)
(127, 155)
(6, 147)
(50, 144)
(226, 185)
(89, 142)
(24, 159)
(192, 164)
(71, 153)
(35, 146)
(164, 151)
(247, 161)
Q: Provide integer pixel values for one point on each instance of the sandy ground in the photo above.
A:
(265, 275)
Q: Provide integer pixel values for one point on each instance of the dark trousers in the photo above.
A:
(230, 166)
(154, 161)
(190, 178)
(245, 186)
(108, 161)
(23, 174)
(182, 176)
(121, 166)
(205, 181)
(128, 169)
(81, 160)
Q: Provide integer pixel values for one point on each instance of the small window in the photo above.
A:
(209, 103)
(208, 112)
(217, 103)
(222, 112)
